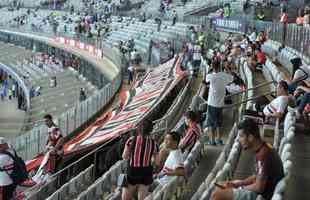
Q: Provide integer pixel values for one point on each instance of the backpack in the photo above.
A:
(19, 173)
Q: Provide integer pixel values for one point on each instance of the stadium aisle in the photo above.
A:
(208, 161)
(11, 119)
(299, 183)
(246, 162)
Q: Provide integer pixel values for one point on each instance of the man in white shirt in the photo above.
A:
(301, 74)
(277, 107)
(218, 81)
(174, 165)
(6, 167)
(252, 37)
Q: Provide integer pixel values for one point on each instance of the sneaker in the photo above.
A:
(219, 142)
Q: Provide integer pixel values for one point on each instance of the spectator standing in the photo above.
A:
(284, 21)
(268, 168)
(131, 72)
(7, 187)
(300, 18)
(197, 52)
(174, 17)
(54, 143)
(82, 95)
(218, 81)
(170, 51)
(10, 93)
(174, 164)
(139, 150)
(158, 22)
(14, 90)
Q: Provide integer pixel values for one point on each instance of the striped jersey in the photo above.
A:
(141, 150)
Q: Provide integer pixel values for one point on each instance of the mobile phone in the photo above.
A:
(220, 186)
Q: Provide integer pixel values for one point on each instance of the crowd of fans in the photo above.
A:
(151, 163)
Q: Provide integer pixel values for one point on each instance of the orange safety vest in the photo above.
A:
(300, 20)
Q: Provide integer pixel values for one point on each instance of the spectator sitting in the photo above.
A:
(7, 187)
(277, 107)
(192, 133)
(261, 58)
(174, 165)
(269, 169)
(139, 170)
(252, 37)
(305, 99)
(300, 73)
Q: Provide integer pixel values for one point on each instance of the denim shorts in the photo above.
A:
(242, 194)
(214, 117)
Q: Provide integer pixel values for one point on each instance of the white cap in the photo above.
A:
(3, 140)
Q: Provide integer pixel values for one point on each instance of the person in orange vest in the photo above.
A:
(284, 21)
(300, 18)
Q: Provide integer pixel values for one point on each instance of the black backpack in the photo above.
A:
(19, 173)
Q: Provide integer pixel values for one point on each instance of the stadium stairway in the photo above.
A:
(208, 160)
(58, 99)
(11, 119)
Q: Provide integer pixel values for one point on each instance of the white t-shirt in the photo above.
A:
(252, 37)
(5, 162)
(197, 52)
(218, 82)
(303, 73)
(279, 104)
(174, 161)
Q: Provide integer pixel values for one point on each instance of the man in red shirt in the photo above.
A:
(268, 168)
(54, 143)
(261, 58)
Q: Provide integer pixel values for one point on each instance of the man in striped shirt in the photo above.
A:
(139, 150)
(192, 133)
(277, 107)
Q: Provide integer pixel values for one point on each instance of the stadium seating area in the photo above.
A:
(232, 162)
(55, 100)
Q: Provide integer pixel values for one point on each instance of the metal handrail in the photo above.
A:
(249, 99)
(253, 88)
